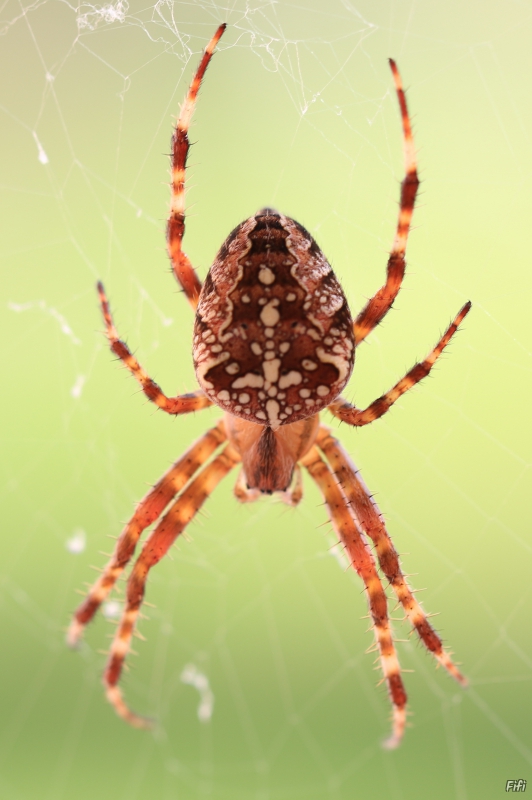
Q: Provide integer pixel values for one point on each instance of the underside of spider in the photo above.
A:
(274, 345)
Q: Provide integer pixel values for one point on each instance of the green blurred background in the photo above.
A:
(297, 111)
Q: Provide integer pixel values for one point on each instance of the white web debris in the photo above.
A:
(107, 14)
(112, 609)
(193, 677)
(42, 156)
(78, 386)
(165, 321)
(42, 306)
(76, 543)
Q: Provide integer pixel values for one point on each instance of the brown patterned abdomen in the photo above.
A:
(273, 336)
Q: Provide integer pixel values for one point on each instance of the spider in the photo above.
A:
(273, 345)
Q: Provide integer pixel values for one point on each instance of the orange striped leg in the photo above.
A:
(175, 230)
(354, 416)
(156, 546)
(379, 305)
(183, 404)
(368, 515)
(147, 511)
(362, 560)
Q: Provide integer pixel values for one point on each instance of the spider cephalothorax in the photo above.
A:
(274, 345)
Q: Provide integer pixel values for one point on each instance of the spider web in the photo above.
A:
(254, 664)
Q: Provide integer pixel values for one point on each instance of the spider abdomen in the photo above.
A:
(273, 336)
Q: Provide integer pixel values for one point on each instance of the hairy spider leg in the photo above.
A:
(182, 404)
(378, 306)
(347, 412)
(370, 519)
(182, 268)
(362, 560)
(155, 547)
(148, 510)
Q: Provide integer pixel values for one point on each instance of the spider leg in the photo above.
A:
(182, 268)
(147, 511)
(294, 494)
(182, 404)
(368, 515)
(347, 412)
(379, 305)
(242, 492)
(173, 523)
(361, 558)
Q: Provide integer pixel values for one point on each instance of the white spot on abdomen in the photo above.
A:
(266, 276)
(292, 379)
(272, 408)
(308, 364)
(250, 379)
(271, 370)
(269, 315)
(340, 362)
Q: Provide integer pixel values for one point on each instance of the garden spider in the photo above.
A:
(274, 344)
